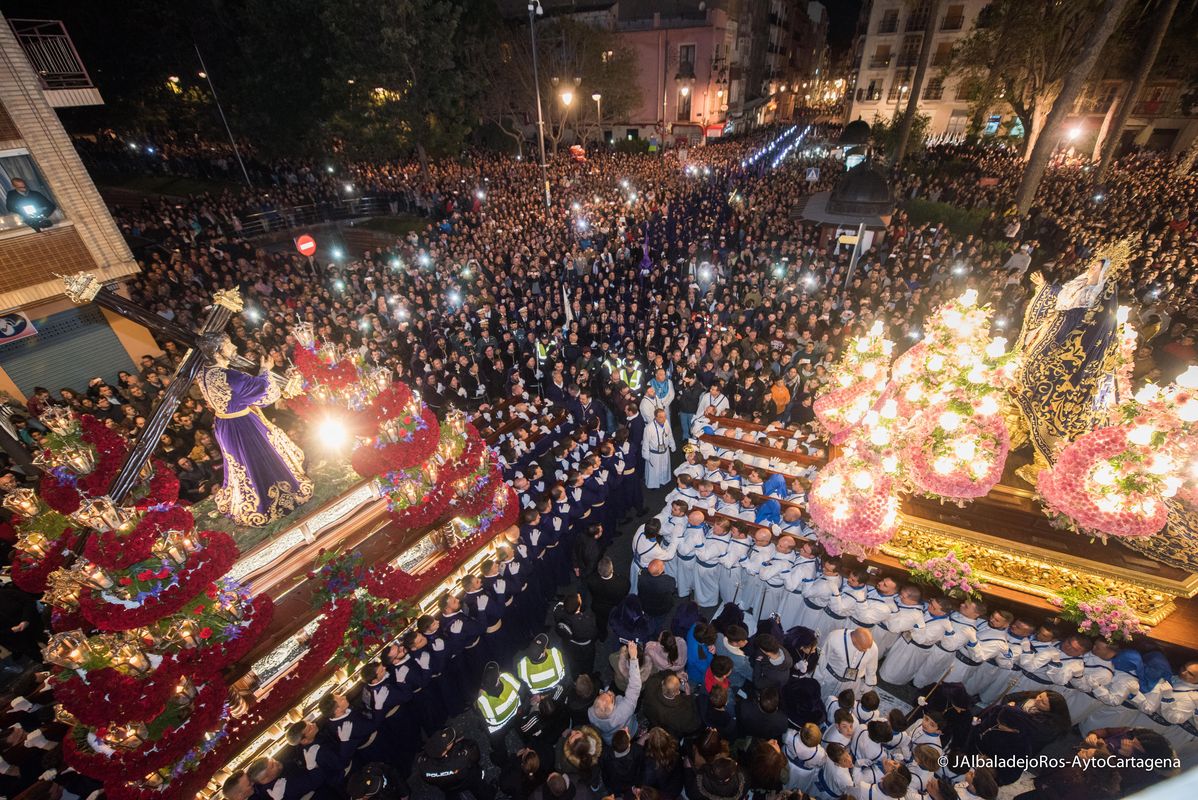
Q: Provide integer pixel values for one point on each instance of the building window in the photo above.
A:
(881, 58)
(889, 22)
(634, 133)
(873, 92)
(900, 87)
(934, 89)
(909, 56)
(684, 106)
(28, 201)
(943, 54)
(954, 18)
(918, 19)
(686, 60)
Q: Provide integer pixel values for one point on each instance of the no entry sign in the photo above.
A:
(306, 245)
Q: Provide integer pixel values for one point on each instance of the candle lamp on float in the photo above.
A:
(127, 737)
(102, 514)
(59, 420)
(305, 334)
(69, 650)
(62, 589)
(129, 655)
(185, 691)
(380, 378)
(23, 502)
(93, 575)
(35, 544)
(185, 634)
(81, 459)
(328, 353)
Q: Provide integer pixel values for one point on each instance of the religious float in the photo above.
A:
(186, 638)
(1031, 472)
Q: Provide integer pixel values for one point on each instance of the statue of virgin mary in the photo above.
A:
(1066, 382)
(264, 470)
(1070, 349)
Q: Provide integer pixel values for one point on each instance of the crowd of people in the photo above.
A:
(655, 296)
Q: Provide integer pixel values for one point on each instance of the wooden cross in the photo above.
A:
(84, 287)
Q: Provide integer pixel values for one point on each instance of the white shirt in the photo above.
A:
(841, 655)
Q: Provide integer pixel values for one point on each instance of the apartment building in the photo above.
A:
(53, 222)
(887, 53)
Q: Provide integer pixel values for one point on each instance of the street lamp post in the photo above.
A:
(534, 10)
(598, 98)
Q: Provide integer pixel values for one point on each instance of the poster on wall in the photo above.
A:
(15, 326)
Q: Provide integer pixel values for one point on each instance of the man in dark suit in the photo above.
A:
(607, 589)
(657, 591)
(761, 717)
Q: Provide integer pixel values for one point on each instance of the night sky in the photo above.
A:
(842, 19)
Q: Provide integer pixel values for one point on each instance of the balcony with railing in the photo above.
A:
(880, 62)
(54, 58)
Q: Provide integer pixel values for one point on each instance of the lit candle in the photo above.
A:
(133, 658)
(96, 577)
(69, 649)
(381, 377)
(186, 633)
(59, 420)
(23, 502)
(80, 459)
(34, 543)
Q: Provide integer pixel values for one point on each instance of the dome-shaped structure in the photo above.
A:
(862, 191)
(855, 133)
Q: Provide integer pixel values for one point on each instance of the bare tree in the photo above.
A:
(1108, 19)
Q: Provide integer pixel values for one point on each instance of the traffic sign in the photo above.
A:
(306, 245)
(812, 174)
(847, 239)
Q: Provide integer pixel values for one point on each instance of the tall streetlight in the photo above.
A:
(534, 11)
(208, 77)
(598, 98)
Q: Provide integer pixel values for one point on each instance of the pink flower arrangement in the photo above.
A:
(956, 455)
(853, 506)
(948, 573)
(1108, 616)
(1101, 486)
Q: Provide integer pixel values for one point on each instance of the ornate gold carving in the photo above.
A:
(82, 287)
(230, 299)
(1037, 572)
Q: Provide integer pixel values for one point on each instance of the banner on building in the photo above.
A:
(15, 326)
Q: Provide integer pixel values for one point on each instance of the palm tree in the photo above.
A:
(1104, 25)
(921, 69)
(1163, 17)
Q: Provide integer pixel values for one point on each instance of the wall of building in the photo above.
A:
(888, 53)
(87, 238)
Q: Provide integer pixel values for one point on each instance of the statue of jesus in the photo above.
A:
(264, 470)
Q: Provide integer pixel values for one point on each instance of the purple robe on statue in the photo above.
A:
(264, 469)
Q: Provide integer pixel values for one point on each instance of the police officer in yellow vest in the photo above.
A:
(543, 670)
(499, 703)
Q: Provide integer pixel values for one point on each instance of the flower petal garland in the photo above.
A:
(954, 456)
(108, 696)
(110, 613)
(206, 710)
(853, 506)
(1094, 487)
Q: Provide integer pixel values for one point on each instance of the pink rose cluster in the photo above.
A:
(948, 572)
(1068, 487)
(1109, 617)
